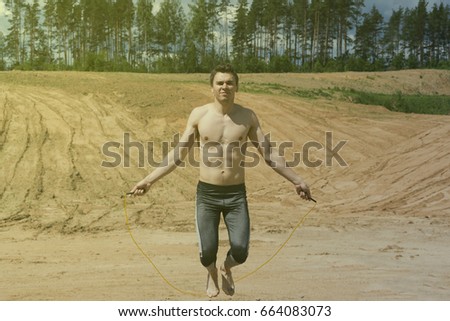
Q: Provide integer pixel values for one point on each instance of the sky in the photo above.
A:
(384, 6)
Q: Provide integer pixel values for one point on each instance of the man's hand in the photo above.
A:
(141, 188)
(303, 191)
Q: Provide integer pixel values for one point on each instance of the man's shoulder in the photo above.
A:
(245, 110)
(246, 114)
(198, 112)
(201, 109)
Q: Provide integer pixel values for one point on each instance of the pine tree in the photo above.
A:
(202, 26)
(62, 11)
(169, 24)
(14, 39)
(224, 12)
(145, 32)
(347, 13)
(392, 39)
(274, 13)
(240, 35)
(2, 51)
(32, 31)
(300, 11)
(123, 17)
(257, 28)
(49, 25)
(368, 36)
(421, 26)
(438, 34)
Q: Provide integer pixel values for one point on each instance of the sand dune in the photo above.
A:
(378, 232)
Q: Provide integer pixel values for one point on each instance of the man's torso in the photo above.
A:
(222, 144)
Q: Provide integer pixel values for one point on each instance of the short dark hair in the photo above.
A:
(225, 68)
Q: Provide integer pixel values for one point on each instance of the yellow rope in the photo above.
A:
(300, 223)
(148, 257)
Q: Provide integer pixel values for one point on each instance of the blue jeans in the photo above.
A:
(231, 201)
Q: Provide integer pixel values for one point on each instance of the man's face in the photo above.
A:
(224, 87)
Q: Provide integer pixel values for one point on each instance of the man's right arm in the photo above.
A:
(174, 158)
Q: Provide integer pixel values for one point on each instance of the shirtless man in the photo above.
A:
(222, 127)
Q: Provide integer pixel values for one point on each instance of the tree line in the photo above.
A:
(256, 36)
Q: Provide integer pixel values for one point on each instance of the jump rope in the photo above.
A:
(197, 294)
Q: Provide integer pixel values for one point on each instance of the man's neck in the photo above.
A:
(224, 108)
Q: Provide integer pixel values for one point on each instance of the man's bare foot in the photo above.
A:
(212, 283)
(227, 281)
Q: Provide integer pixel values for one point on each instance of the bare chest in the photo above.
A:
(223, 128)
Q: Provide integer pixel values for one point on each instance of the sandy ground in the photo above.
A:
(378, 232)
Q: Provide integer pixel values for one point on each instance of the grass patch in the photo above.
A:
(278, 89)
(399, 102)
(419, 104)
(263, 88)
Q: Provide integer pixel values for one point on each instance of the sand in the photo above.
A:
(378, 232)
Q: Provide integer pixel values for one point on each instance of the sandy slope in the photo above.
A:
(379, 231)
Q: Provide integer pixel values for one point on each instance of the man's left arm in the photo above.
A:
(276, 161)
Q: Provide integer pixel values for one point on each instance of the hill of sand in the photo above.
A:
(378, 232)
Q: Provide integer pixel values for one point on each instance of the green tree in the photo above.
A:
(145, 30)
(189, 58)
(32, 30)
(368, 37)
(414, 31)
(240, 35)
(224, 7)
(2, 51)
(421, 29)
(202, 25)
(316, 11)
(392, 39)
(123, 18)
(169, 24)
(63, 16)
(49, 25)
(300, 11)
(14, 39)
(274, 14)
(348, 12)
(257, 28)
(439, 34)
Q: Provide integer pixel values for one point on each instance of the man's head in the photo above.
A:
(226, 69)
